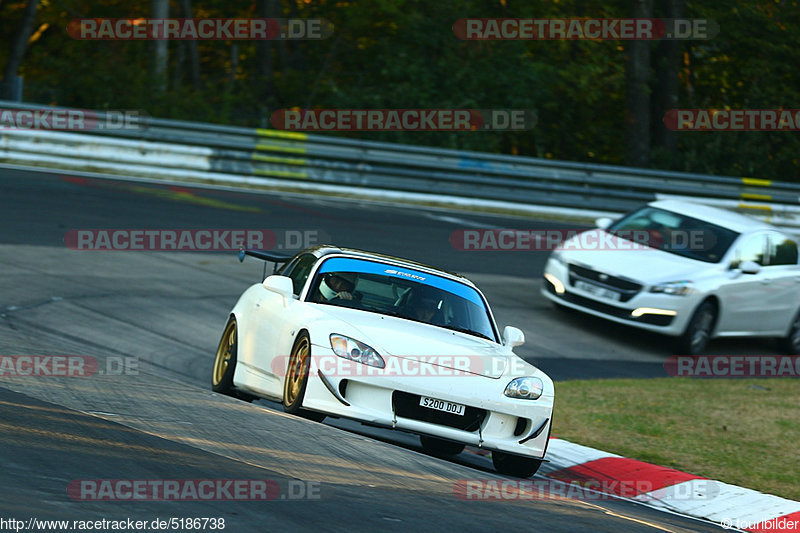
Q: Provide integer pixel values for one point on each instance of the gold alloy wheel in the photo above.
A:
(297, 371)
(224, 353)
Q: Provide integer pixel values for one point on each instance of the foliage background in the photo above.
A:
(402, 53)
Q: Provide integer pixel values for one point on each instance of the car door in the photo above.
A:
(744, 298)
(783, 277)
(271, 322)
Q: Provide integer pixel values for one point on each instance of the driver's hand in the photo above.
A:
(344, 295)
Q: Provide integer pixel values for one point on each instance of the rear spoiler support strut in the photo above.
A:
(274, 257)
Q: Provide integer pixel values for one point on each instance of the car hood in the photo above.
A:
(646, 265)
(396, 337)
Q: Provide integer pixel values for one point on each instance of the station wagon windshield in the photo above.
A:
(675, 233)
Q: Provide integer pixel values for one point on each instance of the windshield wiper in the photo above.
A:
(468, 331)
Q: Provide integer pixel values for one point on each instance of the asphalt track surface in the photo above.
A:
(166, 310)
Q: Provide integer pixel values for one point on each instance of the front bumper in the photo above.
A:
(645, 310)
(492, 420)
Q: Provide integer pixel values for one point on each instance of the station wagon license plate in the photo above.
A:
(597, 291)
(441, 405)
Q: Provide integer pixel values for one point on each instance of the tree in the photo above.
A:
(667, 87)
(160, 10)
(637, 94)
(194, 55)
(18, 47)
(264, 62)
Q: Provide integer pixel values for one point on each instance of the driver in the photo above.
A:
(425, 309)
(338, 285)
(422, 305)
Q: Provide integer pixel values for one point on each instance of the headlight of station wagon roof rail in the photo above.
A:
(528, 388)
(676, 288)
(354, 350)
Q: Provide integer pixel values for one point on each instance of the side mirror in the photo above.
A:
(750, 267)
(603, 222)
(513, 337)
(280, 284)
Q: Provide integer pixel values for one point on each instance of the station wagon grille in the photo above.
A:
(628, 289)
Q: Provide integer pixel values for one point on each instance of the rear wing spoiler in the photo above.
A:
(273, 257)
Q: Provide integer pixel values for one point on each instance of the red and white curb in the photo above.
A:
(672, 490)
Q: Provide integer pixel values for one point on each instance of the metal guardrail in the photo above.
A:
(188, 150)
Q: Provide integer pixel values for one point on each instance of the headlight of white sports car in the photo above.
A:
(676, 288)
(354, 350)
(529, 388)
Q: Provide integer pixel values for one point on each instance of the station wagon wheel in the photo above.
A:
(515, 465)
(294, 386)
(791, 343)
(225, 364)
(698, 332)
(440, 447)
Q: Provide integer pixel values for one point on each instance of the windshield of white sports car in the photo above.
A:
(675, 233)
(402, 292)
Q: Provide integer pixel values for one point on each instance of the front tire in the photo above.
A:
(225, 364)
(791, 342)
(515, 465)
(294, 386)
(698, 332)
(440, 447)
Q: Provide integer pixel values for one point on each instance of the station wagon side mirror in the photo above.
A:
(603, 222)
(749, 267)
(280, 284)
(513, 337)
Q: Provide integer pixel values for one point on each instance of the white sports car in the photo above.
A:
(387, 342)
(691, 271)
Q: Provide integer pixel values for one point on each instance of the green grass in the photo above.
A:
(740, 431)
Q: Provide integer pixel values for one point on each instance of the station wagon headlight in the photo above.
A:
(676, 288)
(354, 350)
(529, 388)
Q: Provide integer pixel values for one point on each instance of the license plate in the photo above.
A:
(597, 291)
(441, 405)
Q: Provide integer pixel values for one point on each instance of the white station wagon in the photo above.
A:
(690, 271)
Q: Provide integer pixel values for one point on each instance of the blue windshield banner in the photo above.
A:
(362, 266)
